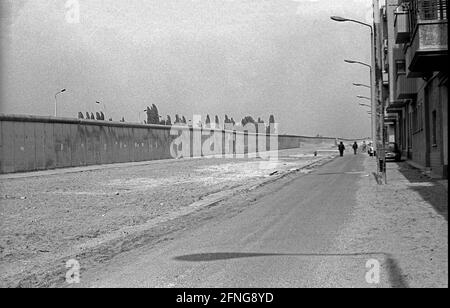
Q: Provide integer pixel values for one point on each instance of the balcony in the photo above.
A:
(390, 119)
(401, 27)
(396, 106)
(428, 49)
(405, 87)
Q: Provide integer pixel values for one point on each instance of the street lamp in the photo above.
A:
(372, 85)
(342, 19)
(358, 62)
(361, 85)
(363, 97)
(56, 101)
(372, 93)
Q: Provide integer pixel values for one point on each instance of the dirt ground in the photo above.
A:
(46, 218)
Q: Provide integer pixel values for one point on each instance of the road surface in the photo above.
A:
(280, 240)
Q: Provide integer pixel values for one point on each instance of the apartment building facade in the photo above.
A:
(413, 79)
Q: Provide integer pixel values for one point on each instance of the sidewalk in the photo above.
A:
(407, 220)
(428, 173)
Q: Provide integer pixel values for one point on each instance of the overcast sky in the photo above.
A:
(233, 57)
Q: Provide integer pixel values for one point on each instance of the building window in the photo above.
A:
(420, 117)
(434, 131)
(405, 134)
(410, 129)
(417, 118)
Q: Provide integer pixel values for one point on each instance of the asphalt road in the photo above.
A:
(281, 240)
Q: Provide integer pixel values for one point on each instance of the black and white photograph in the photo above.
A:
(223, 151)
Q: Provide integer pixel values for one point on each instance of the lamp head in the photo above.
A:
(338, 18)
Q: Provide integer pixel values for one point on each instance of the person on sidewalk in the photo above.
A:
(355, 147)
(341, 148)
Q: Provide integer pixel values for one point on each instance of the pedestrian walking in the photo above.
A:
(341, 148)
(355, 147)
(364, 147)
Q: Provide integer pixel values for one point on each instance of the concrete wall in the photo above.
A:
(30, 143)
(39, 143)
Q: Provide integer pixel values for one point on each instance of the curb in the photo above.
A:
(272, 179)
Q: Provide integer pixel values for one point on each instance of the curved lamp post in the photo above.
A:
(363, 97)
(56, 101)
(372, 94)
(373, 90)
(361, 85)
(358, 62)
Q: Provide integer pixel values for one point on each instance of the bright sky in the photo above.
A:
(233, 57)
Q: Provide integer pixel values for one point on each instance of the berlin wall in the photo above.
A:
(31, 143)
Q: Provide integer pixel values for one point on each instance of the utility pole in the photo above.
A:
(378, 104)
(373, 74)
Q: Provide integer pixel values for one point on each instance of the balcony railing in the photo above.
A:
(405, 87)
(423, 10)
(428, 48)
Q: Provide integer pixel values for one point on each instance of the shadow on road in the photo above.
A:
(341, 173)
(395, 274)
(208, 257)
(394, 271)
(431, 191)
